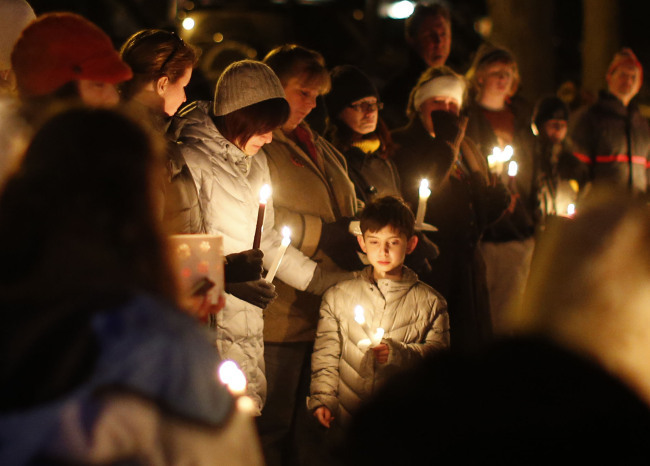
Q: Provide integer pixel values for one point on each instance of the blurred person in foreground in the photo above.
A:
(99, 363)
(14, 16)
(573, 384)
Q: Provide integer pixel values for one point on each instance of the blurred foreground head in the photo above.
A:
(588, 289)
(77, 215)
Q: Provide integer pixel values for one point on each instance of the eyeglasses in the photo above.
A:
(178, 43)
(367, 107)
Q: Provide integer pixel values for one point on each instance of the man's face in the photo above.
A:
(624, 82)
(301, 96)
(433, 40)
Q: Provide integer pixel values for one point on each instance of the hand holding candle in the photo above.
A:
(425, 192)
(286, 240)
(265, 192)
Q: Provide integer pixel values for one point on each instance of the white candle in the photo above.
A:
(425, 192)
(512, 169)
(360, 318)
(232, 377)
(375, 339)
(571, 210)
(265, 192)
(286, 240)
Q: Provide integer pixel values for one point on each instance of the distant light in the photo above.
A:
(188, 24)
(398, 10)
(357, 14)
(218, 37)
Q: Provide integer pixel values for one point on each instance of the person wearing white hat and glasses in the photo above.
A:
(219, 141)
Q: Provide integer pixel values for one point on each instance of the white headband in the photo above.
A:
(442, 86)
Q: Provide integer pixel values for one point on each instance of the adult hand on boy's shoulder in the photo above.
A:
(324, 415)
(381, 353)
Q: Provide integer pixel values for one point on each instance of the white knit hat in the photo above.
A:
(14, 16)
(245, 83)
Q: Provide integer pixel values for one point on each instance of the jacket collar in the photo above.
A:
(391, 288)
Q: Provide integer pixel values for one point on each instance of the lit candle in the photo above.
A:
(265, 192)
(425, 192)
(286, 240)
(375, 339)
(512, 172)
(571, 210)
(360, 318)
(232, 377)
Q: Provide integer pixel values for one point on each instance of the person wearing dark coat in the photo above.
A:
(463, 203)
(428, 35)
(612, 139)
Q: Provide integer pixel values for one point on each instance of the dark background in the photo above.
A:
(553, 49)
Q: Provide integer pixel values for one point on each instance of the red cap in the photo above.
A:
(625, 57)
(58, 48)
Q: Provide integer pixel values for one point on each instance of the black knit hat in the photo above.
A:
(549, 108)
(349, 84)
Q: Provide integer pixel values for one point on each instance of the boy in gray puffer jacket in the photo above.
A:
(377, 324)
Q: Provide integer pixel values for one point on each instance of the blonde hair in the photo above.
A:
(487, 55)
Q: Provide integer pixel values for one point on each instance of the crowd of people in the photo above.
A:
(465, 267)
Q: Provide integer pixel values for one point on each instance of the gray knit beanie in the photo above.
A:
(14, 16)
(245, 83)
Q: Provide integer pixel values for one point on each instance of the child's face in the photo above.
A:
(386, 250)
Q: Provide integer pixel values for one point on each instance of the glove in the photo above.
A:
(244, 266)
(259, 293)
(449, 127)
(340, 245)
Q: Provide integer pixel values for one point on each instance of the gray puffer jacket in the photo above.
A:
(413, 316)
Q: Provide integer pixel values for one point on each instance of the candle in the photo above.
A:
(375, 339)
(571, 210)
(425, 192)
(286, 240)
(512, 172)
(232, 377)
(265, 192)
(499, 157)
(360, 318)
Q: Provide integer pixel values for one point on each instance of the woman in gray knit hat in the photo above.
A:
(219, 141)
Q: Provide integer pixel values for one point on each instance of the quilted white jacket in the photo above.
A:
(413, 316)
(228, 183)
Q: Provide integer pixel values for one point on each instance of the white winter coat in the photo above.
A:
(413, 316)
(228, 183)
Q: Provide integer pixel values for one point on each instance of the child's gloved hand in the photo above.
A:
(381, 353)
(324, 416)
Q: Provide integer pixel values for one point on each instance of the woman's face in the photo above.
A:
(173, 93)
(361, 115)
(301, 96)
(497, 79)
(444, 103)
(255, 143)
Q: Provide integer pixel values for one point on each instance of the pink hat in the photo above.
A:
(58, 48)
(625, 57)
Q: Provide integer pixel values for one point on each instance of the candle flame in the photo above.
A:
(265, 193)
(379, 334)
(512, 168)
(359, 316)
(500, 156)
(231, 376)
(424, 188)
(508, 152)
(571, 210)
(286, 235)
